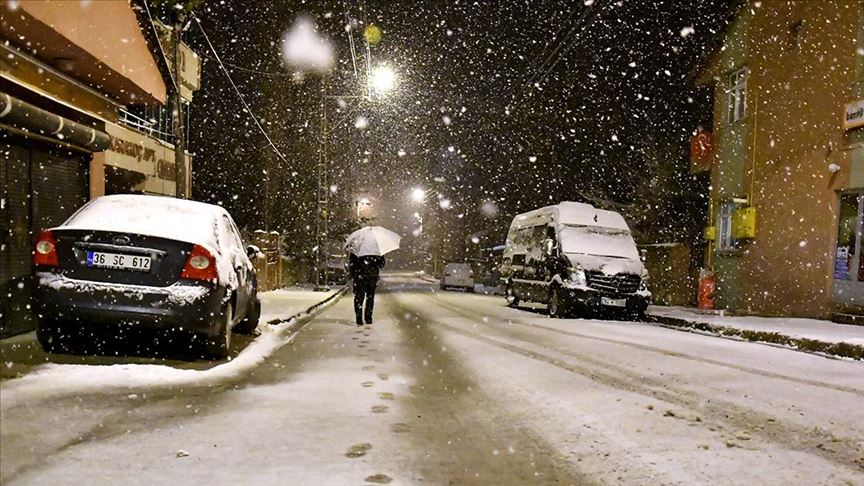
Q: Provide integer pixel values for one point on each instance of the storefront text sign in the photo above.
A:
(853, 115)
(137, 152)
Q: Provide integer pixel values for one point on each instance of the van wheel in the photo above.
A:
(510, 296)
(557, 308)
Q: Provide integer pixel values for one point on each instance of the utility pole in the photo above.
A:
(179, 135)
(323, 200)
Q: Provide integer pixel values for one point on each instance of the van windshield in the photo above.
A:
(594, 240)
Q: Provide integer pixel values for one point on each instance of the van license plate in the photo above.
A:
(116, 260)
(613, 302)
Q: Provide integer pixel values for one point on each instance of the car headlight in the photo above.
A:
(577, 277)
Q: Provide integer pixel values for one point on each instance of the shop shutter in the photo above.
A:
(43, 186)
(15, 261)
(60, 186)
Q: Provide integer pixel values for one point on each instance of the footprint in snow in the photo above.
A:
(379, 479)
(385, 396)
(358, 450)
(367, 384)
(380, 408)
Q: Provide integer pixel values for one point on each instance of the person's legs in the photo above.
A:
(359, 297)
(370, 299)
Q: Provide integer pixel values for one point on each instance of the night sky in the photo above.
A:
(500, 107)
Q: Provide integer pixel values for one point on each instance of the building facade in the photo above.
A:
(82, 113)
(786, 158)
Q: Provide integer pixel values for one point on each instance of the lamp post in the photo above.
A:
(381, 81)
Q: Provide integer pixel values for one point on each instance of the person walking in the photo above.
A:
(364, 272)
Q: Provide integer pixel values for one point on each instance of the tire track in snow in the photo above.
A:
(722, 414)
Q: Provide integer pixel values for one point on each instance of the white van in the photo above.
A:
(572, 257)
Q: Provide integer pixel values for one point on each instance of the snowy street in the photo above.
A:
(450, 387)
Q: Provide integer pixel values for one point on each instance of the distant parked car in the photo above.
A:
(129, 262)
(458, 275)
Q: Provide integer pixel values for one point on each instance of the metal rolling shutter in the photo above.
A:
(60, 186)
(15, 260)
(42, 187)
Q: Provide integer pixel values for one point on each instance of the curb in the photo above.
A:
(310, 309)
(842, 350)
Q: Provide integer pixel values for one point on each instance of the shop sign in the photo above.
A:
(137, 152)
(853, 115)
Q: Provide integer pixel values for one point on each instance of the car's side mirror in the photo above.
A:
(252, 251)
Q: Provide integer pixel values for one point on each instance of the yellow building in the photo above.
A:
(787, 159)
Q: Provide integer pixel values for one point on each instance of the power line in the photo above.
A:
(541, 75)
(349, 30)
(256, 71)
(239, 94)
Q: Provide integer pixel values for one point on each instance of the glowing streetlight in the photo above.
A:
(418, 194)
(361, 203)
(383, 79)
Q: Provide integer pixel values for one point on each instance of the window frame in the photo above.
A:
(736, 95)
(725, 236)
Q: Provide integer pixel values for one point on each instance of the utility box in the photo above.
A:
(744, 223)
(709, 233)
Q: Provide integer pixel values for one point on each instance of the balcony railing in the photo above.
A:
(156, 127)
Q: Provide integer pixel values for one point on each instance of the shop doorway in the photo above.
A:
(848, 257)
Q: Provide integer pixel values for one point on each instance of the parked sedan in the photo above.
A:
(458, 275)
(128, 262)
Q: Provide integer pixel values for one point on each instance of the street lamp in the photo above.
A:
(418, 194)
(383, 79)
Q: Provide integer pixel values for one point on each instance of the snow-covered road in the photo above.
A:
(454, 387)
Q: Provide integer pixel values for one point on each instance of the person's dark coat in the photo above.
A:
(366, 267)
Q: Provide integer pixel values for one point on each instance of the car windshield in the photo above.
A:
(594, 240)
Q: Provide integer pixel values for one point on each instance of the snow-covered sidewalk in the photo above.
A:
(805, 334)
(284, 311)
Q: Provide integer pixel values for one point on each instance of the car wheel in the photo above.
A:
(510, 296)
(470, 289)
(557, 308)
(250, 323)
(217, 346)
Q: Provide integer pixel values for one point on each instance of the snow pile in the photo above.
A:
(815, 329)
(305, 50)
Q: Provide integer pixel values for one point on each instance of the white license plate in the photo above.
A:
(116, 260)
(613, 302)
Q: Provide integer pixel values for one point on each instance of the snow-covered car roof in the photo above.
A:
(159, 216)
